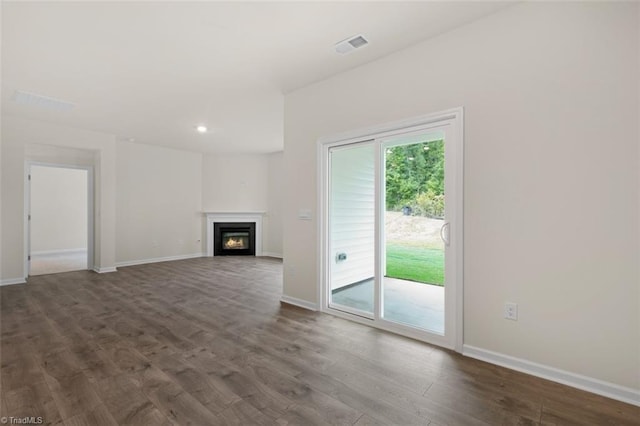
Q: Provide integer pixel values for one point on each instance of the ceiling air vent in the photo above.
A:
(351, 44)
(41, 101)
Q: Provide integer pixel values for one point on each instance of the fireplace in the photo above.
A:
(234, 238)
(232, 219)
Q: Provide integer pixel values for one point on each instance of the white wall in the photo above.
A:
(24, 140)
(58, 209)
(159, 210)
(550, 92)
(1, 198)
(235, 182)
(275, 198)
(247, 183)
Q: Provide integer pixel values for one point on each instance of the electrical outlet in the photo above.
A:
(511, 311)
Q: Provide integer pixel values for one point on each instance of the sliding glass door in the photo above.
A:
(413, 278)
(392, 229)
(352, 212)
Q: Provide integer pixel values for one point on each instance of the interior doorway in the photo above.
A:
(59, 219)
(391, 228)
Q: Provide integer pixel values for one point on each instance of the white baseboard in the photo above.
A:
(272, 254)
(60, 251)
(105, 270)
(159, 259)
(299, 302)
(589, 384)
(12, 281)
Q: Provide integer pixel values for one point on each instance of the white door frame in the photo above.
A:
(27, 211)
(453, 120)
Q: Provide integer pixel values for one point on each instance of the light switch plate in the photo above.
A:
(304, 214)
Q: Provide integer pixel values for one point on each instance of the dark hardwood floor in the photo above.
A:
(207, 342)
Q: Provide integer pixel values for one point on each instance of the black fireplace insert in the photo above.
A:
(234, 239)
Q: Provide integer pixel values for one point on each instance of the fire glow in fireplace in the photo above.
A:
(234, 238)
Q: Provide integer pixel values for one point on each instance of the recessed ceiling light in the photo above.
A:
(201, 129)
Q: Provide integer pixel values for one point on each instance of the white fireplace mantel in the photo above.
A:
(213, 217)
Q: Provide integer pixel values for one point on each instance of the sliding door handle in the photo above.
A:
(444, 232)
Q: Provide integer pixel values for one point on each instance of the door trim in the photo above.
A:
(454, 118)
(27, 211)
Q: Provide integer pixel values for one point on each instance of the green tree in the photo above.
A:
(412, 170)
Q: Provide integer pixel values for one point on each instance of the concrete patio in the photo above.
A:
(406, 302)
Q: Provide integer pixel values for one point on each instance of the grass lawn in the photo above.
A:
(415, 263)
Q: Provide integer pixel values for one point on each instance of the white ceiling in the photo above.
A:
(152, 71)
